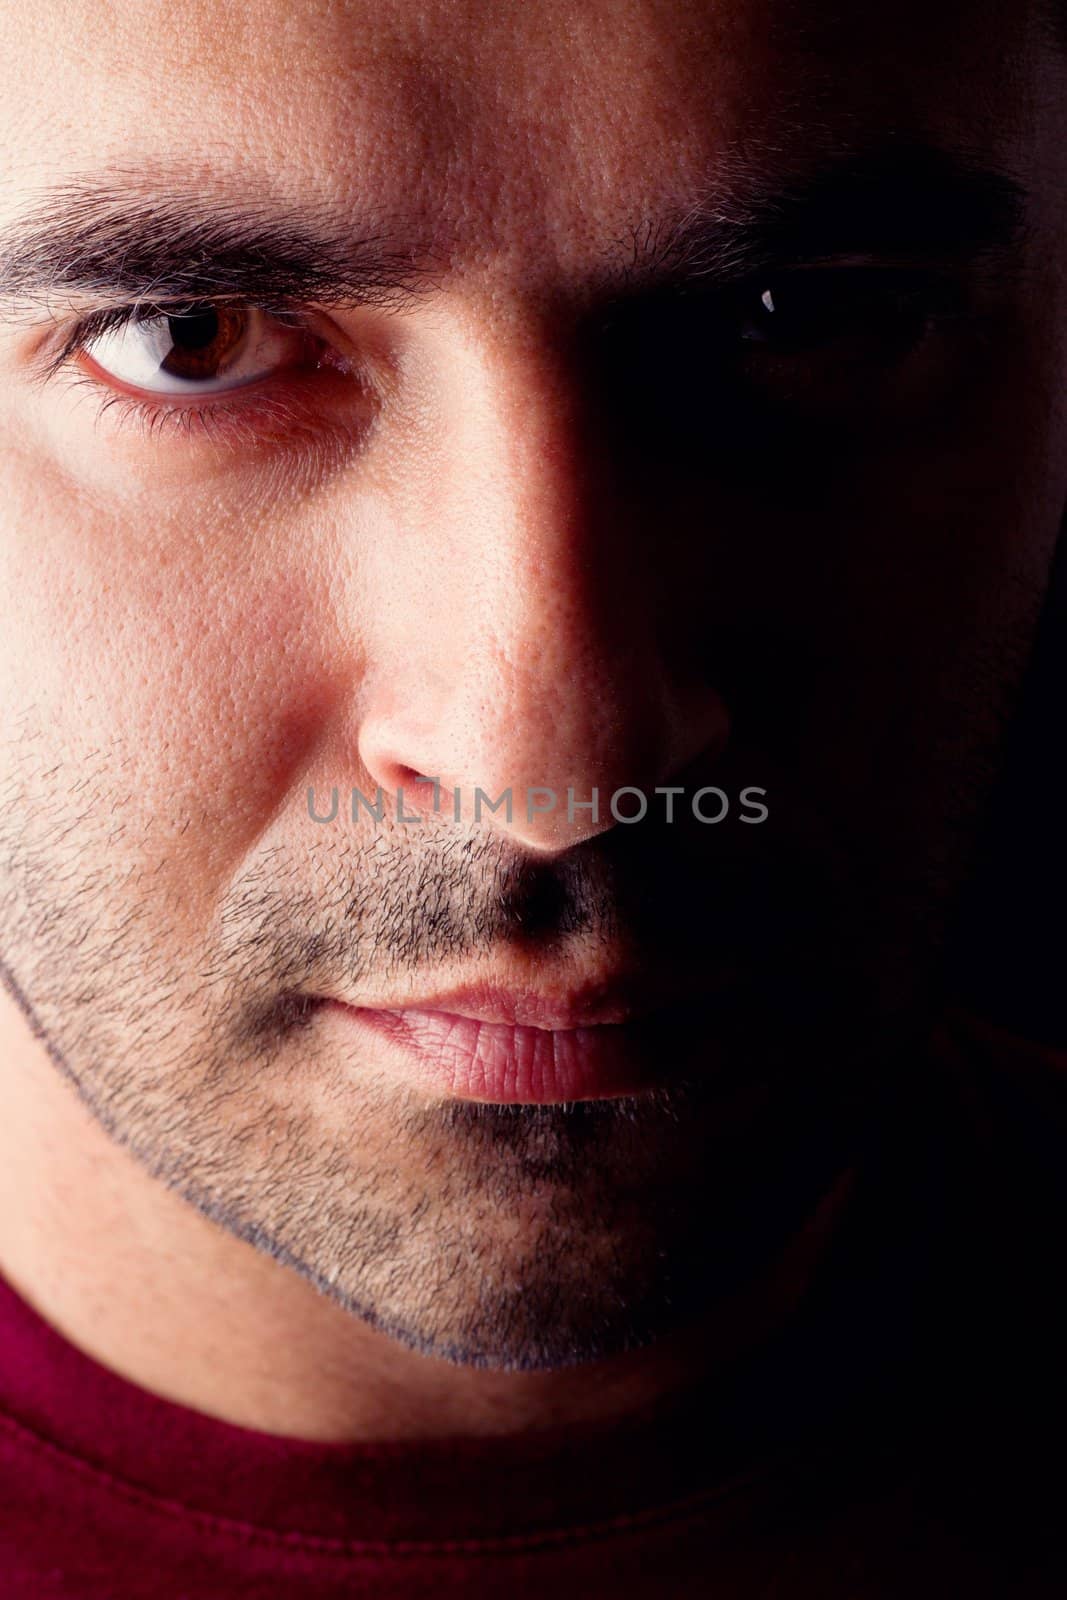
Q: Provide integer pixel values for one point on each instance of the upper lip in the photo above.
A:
(615, 1001)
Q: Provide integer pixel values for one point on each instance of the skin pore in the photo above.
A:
(536, 496)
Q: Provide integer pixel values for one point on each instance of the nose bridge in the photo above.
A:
(541, 645)
(556, 619)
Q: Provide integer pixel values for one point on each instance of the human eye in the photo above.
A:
(784, 362)
(865, 351)
(205, 366)
(849, 316)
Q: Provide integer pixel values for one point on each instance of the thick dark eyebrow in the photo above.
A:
(125, 241)
(909, 202)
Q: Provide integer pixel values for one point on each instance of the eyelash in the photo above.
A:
(251, 416)
(241, 420)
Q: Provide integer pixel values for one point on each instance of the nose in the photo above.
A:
(523, 654)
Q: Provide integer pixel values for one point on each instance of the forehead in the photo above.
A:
(534, 128)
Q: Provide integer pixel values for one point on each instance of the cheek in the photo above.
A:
(179, 683)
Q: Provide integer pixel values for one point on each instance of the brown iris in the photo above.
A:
(206, 338)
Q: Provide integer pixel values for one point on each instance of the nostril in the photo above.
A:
(421, 791)
(385, 769)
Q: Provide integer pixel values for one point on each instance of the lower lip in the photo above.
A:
(505, 1064)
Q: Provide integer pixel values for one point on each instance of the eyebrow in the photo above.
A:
(128, 240)
(123, 239)
(907, 201)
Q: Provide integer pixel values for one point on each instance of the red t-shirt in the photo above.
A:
(866, 1462)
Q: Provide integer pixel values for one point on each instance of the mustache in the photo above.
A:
(400, 904)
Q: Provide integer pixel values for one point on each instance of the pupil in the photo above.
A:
(195, 329)
(204, 340)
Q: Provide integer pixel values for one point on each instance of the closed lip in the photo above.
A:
(619, 1000)
(507, 1045)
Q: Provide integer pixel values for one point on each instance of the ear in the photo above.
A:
(1008, 953)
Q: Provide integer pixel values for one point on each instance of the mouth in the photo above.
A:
(509, 1048)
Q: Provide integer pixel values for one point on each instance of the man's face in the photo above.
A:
(640, 393)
